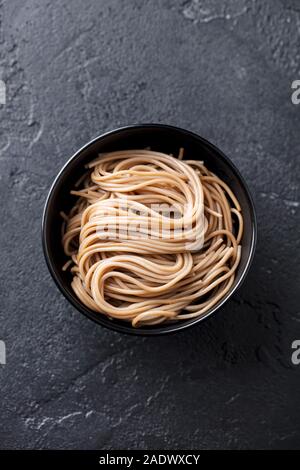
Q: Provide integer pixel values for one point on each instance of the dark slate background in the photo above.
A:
(224, 70)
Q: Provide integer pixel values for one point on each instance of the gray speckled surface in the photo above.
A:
(224, 70)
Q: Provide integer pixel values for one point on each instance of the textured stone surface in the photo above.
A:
(222, 69)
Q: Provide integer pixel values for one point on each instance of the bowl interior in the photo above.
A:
(161, 138)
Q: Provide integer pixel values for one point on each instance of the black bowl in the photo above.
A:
(159, 137)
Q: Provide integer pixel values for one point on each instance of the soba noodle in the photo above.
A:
(151, 238)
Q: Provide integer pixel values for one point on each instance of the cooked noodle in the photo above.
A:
(129, 260)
